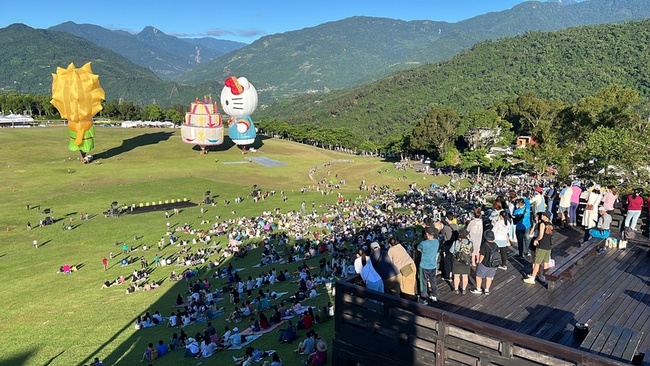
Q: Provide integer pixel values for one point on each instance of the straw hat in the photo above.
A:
(321, 346)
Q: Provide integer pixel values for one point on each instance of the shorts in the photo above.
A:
(485, 272)
(542, 256)
(563, 209)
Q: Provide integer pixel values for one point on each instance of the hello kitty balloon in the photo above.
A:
(239, 101)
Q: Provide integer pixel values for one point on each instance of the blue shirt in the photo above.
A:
(429, 249)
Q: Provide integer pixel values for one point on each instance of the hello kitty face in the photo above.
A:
(238, 97)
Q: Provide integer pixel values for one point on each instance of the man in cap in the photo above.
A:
(603, 224)
(191, 348)
(428, 265)
(385, 268)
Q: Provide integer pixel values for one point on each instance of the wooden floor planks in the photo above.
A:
(612, 289)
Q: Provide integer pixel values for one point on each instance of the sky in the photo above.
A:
(242, 21)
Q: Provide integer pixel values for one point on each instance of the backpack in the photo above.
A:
(494, 256)
(464, 253)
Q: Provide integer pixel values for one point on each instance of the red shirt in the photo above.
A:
(307, 320)
(634, 203)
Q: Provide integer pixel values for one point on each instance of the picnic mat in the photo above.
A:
(249, 330)
(249, 339)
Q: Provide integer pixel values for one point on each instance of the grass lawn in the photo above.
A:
(57, 319)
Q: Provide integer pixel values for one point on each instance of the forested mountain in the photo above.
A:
(566, 65)
(163, 54)
(222, 45)
(29, 56)
(356, 50)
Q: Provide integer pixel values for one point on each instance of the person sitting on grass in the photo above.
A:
(191, 348)
(149, 353)
(318, 357)
(255, 355)
(162, 348)
(175, 342)
(288, 334)
(306, 347)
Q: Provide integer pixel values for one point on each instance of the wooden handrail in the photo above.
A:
(506, 338)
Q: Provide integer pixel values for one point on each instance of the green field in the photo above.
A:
(57, 319)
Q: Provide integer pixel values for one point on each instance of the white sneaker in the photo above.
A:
(529, 280)
(503, 267)
(433, 298)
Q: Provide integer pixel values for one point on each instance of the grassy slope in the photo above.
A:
(68, 319)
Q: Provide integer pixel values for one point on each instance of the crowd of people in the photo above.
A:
(398, 242)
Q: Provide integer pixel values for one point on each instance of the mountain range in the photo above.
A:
(165, 55)
(319, 59)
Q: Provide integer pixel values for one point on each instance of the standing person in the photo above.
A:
(475, 228)
(543, 244)
(105, 263)
(537, 202)
(576, 191)
(386, 269)
(428, 264)
(501, 231)
(35, 242)
(406, 267)
(590, 215)
(449, 235)
(634, 207)
(551, 196)
(363, 266)
(462, 252)
(522, 219)
(565, 205)
(610, 197)
(484, 270)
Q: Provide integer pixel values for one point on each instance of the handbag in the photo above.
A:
(406, 271)
(589, 207)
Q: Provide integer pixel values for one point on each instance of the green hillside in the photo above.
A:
(565, 65)
(358, 50)
(29, 56)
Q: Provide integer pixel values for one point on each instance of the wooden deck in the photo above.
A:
(611, 293)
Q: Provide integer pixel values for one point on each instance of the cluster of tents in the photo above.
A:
(15, 120)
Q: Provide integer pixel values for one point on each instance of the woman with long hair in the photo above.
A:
(363, 266)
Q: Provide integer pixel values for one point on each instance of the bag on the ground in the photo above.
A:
(628, 233)
(464, 253)
(494, 256)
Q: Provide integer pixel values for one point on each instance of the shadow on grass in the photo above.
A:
(53, 358)
(19, 359)
(132, 143)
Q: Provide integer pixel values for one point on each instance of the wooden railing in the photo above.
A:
(376, 329)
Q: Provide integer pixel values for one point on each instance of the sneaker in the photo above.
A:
(433, 298)
(527, 254)
(487, 292)
(476, 291)
(503, 267)
(462, 292)
(423, 302)
(529, 280)
(456, 291)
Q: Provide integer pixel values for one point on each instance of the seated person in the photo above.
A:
(236, 338)
(318, 357)
(149, 353)
(288, 334)
(263, 321)
(162, 348)
(254, 325)
(191, 348)
(306, 347)
(601, 231)
(175, 342)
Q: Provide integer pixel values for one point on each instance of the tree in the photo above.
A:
(152, 112)
(436, 132)
(484, 128)
(174, 115)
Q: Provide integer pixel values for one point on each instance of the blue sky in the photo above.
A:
(243, 21)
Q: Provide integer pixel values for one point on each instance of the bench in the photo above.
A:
(575, 258)
(612, 341)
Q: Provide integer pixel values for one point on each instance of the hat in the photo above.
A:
(321, 346)
(538, 189)
(601, 208)
(430, 230)
(547, 215)
(374, 245)
(191, 340)
(235, 329)
(489, 235)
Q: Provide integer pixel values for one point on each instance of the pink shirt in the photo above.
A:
(575, 197)
(608, 200)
